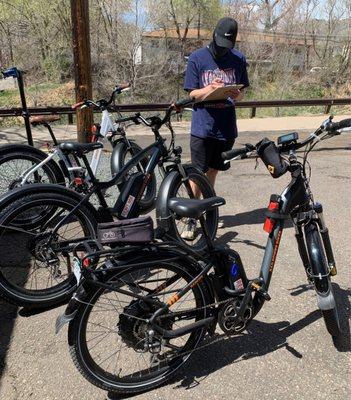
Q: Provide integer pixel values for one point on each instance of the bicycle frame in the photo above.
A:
(155, 149)
(69, 161)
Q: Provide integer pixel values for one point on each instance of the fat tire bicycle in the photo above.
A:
(64, 217)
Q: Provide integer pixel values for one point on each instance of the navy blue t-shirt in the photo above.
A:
(216, 120)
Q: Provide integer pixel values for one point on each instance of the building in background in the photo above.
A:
(260, 48)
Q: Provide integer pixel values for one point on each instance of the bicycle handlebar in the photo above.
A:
(335, 126)
(103, 103)
(183, 103)
(230, 154)
(328, 126)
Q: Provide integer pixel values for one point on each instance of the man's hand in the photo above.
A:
(235, 94)
(216, 83)
(200, 94)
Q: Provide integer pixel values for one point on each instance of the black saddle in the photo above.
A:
(193, 208)
(79, 148)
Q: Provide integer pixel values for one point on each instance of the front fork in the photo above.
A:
(318, 212)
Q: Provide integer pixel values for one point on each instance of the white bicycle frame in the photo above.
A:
(107, 126)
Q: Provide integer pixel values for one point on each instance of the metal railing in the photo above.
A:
(252, 104)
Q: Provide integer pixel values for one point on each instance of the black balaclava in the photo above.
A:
(224, 37)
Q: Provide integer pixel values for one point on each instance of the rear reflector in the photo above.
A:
(269, 223)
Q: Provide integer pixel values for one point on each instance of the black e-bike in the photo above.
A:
(36, 267)
(139, 316)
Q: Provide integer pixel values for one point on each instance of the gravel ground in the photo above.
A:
(287, 353)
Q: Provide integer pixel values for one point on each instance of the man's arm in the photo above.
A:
(200, 94)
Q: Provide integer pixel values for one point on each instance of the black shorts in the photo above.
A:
(206, 153)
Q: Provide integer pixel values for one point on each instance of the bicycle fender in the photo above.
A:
(117, 153)
(325, 298)
(25, 148)
(9, 197)
(163, 213)
(71, 310)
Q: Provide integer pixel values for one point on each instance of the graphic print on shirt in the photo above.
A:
(226, 75)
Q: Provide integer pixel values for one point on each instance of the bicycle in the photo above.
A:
(64, 217)
(23, 164)
(135, 320)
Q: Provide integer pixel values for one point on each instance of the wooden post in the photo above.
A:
(82, 64)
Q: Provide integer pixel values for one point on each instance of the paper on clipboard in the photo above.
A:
(221, 93)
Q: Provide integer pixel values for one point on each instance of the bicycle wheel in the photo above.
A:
(121, 155)
(321, 280)
(107, 337)
(35, 267)
(16, 160)
(176, 225)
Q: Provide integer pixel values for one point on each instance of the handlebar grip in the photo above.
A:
(228, 155)
(183, 103)
(345, 123)
(123, 86)
(77, 105)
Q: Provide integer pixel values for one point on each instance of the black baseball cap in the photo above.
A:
(225, 32)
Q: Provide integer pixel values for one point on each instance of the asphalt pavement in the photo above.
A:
(287, 352)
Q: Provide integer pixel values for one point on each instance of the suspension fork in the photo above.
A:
(318, 208)
(302, 247)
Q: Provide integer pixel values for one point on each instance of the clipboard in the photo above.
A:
(221, 93)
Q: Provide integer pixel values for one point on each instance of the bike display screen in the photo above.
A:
(288, 138)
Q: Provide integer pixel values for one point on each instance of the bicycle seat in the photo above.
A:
(79, 148)
(193, 208)
(43, 119)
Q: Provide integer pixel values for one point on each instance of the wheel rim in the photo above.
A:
(11, 168)
(31, 264)
(100, 333)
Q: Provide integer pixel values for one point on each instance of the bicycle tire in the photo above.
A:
(322, 284)
(87, 365)
(162, 211)
(10, 153)
(118, 158)
(56, 294)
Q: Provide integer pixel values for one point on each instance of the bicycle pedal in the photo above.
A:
(261, 291)
(265, 295)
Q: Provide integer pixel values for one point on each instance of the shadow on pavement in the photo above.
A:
(332, 148)
(248, 218)
(262, 338)
(230, 237)
(14, 262)
(343, 301)
(8, 315)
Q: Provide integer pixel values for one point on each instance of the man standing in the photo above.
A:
(213, 125)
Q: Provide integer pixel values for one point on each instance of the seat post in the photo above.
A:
(204, 228)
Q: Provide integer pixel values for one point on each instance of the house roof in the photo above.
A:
(243, 36)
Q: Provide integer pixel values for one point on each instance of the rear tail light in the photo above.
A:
(269, 223)
(86, 262)
(95, 130)
(78, 181)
